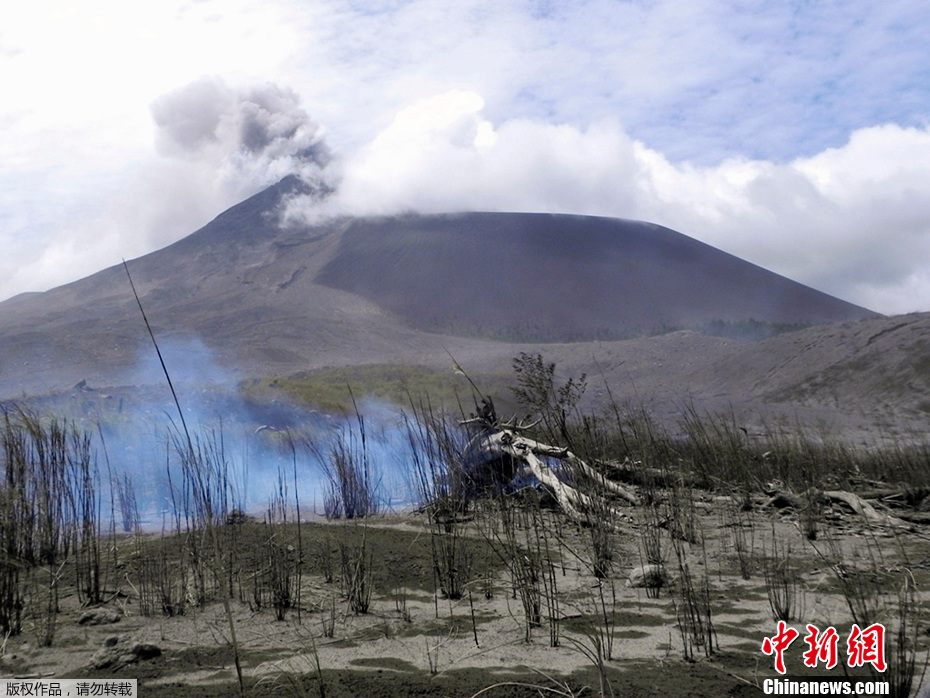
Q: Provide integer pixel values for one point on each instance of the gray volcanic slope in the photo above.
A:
(246, 296)
(560, 278)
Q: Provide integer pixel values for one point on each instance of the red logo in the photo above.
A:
(867, 646)
(778, 643)
(863, 646)
(822, 647)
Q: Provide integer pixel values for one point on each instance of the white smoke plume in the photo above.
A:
(853, 221)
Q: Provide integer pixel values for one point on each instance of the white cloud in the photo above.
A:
(853, 221)
(441, 154)
(700, 81)
(788, 133)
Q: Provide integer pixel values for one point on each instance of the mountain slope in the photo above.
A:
(242, 296)
(542, 277)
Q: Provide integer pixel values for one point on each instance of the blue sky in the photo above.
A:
(793, 134)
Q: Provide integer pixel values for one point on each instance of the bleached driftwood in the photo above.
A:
(525, 445)
(500, 439)
(864, 509)
(859, 506)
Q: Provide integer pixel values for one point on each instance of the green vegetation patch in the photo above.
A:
(332, 390)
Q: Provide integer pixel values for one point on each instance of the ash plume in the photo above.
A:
(217, 144)
(260, 132)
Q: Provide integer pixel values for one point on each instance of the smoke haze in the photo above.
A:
(262, 445)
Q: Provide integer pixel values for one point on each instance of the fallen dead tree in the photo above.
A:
(864, 509)
(636, 473)
(501, 455)
(577, 488)
(855, 503)
(500, 451)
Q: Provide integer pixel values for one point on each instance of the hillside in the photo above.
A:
(243, 297)
(540, 277)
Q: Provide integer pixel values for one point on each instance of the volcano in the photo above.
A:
(262, 298)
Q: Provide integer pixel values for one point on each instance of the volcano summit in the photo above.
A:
(265, 299)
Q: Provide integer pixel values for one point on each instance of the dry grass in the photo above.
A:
(410, 583)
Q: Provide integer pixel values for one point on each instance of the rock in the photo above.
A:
(146, 650)
(100, 616)
(114, 654)
(123, 660)
(105, 656)
(648, 577)
(785, 500)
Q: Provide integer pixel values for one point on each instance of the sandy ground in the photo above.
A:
(415, 630)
